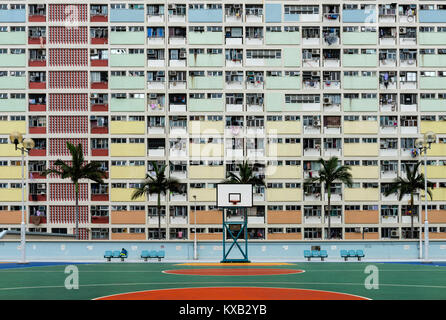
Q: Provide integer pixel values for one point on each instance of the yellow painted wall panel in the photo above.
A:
(127, 149)
(438, 127)
(124, 195)
(435, 172)
(127, 127)
(365, 172)
(285, 195)
(206, 150)
(12, 172)
(361, 149)
(206, 172)
(284, 149)
(361, 194)
(284, 172)
(127, 172)
(11, 195)
(360, 127)
(8, 150)
(283, 127)
(6, 127)
(206, 195)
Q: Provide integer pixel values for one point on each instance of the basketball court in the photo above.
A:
(281, 281)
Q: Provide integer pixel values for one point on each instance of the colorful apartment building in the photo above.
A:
(203, 85)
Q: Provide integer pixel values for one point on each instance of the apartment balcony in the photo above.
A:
(97, 17)
(362, 194)
(99, 152)
(127, 38)
(359, 38)
(283, 127)
(360, 60)
(360, 105)
(155, 63)
(127, 60)
(283, 83)
(284, 195)
(128, 150)
(406, 219)
(206, 60)
(361, 150)
(13, 38)
(312, 219)
(206, 105)
(127, 105)
(127, 15)
(263, 62)
(205, 38)
(360, 127)
(207, 172)
(387, 219)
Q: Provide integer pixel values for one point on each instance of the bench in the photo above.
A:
(315, 254)
(152, 254)
(352, 254)
(114, 255)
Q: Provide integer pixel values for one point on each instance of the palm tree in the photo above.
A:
(77, 170)
(246, 175)
(157, 184)
(410, 185)
(330, 172)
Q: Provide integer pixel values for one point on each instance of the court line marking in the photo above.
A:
(297, 271)
(227, 282)
(147, 271)
(118, 294)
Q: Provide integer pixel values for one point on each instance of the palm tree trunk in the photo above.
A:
(329, 215)
(77, 210)
(411, 216)
(159, 216)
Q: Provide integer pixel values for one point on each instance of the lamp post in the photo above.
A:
(195, 226)
(424, 144)
(27, 144)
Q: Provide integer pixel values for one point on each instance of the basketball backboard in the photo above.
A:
(234, 195)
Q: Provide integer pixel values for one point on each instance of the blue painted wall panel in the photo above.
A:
(205, 15)
(273, 12)
(436, 16)
(12, 15)
(359, 16)
(126, 15)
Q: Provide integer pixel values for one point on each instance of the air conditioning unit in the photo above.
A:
(40, 6)
(327, 100)
(316, 123)
(394, 234)
(314, 73)
(358, 230)
(237, 6)
(403, 30)
(151, 51)
(152, 96)
(173, 73)
(183, 54)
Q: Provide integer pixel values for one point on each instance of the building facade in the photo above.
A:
(203, 85)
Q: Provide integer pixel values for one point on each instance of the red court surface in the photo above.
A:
(232, 272)
(233, 293)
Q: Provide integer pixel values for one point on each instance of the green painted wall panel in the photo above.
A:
(360, 60)
(433, 83)
(360, 104)
(359, 38)
(127, 83)
(284, 83)
(433, 105)
(13, 105)
(127, 37)
(204, 105)
(125, 105)
(291, 57)
(13, 37)
(127, 60)
(205, 38)
(206, 60)
(12, 82)
(353, 82)
(282, 38)
(205, 83)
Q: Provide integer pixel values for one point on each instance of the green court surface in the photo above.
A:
(395, 280)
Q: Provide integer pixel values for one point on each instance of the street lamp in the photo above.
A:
(16, 138)
(424, 144)
(195, 233)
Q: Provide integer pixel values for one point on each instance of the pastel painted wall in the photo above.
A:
(212, 251)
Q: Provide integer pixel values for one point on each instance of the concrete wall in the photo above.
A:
(212, 251)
